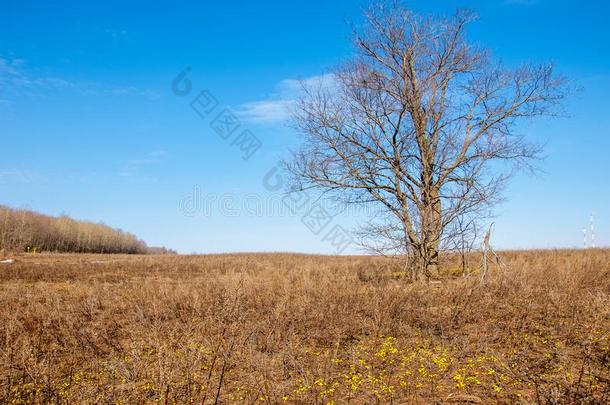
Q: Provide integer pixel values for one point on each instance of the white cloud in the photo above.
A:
(266, 111)
(295, 86)
(154, 157)
(13, 76)
(116, 33)
(134, 169)
(17, 176)
(16, 79)
(278, 107)
(521, 2)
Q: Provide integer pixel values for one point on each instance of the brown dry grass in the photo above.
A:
(302, 329)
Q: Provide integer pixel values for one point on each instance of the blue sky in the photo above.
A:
(90, 126)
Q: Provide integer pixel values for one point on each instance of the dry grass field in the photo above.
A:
(279, 328)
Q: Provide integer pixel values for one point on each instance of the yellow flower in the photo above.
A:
(459, 379)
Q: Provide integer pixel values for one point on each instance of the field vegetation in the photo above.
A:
(280, 328)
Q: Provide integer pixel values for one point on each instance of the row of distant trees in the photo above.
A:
(23, 230)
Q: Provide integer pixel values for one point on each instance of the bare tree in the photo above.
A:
(420, 123)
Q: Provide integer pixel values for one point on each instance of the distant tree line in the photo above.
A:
(27, 231)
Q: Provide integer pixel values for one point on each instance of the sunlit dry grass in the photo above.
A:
(303, 329)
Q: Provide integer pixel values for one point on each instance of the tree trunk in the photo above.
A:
(431, 233)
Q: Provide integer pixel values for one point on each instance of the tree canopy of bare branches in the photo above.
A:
(421, 123)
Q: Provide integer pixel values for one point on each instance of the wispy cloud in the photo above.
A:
(278, 107)
(16, 79)
(132, 91)
(154, 157)
(521, 2)
(116, 32)
(133, 169)
(295, 86)
(13, 76)
(266, 111)
(17, 176)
